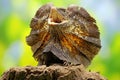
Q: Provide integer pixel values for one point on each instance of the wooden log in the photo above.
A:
(53, 72)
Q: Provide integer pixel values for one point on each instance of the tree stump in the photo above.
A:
(53, 72)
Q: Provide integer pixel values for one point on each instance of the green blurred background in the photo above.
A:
(15, 17)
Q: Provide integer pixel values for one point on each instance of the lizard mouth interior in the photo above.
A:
(55, 17)
(56, 20)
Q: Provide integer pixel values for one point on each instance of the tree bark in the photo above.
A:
(53, 72)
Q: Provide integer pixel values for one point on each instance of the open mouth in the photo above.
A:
(55, 17)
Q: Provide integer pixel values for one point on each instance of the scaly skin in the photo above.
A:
(63, 36)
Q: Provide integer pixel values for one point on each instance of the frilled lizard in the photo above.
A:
(63, 36)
